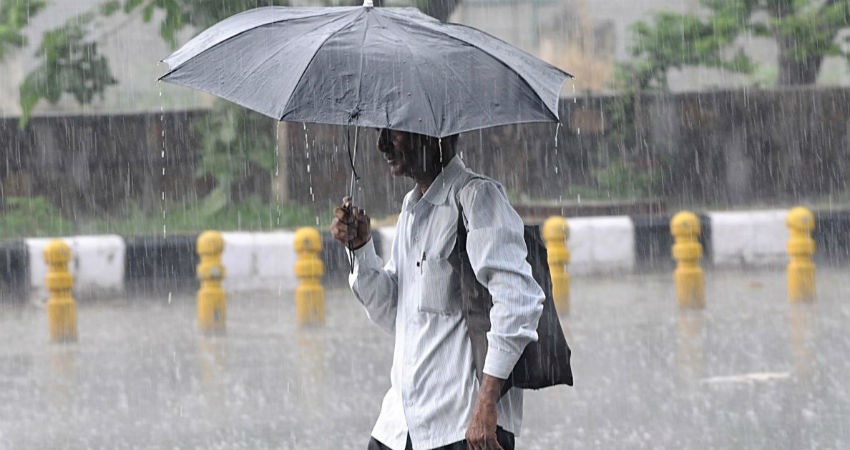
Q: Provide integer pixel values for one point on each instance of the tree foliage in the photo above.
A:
(68, 57)
(14, 17)
(69, 63)
(806, 31)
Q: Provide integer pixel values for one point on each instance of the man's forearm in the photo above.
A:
(481, 433)
(490, 390)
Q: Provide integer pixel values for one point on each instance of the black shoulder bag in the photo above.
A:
(543, 363)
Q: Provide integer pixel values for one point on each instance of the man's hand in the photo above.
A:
(481, 434)
(351, 226)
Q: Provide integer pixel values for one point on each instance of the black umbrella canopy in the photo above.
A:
(373, 67)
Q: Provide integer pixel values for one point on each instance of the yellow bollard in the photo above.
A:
(61, 308)
(801, 247)
(212, 301)
(687, 251)
(555, 233)
(309, 295)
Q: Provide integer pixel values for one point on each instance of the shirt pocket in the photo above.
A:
(439, 288)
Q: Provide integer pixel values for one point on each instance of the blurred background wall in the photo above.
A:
(706, 138)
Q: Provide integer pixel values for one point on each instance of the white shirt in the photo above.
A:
(416, 296)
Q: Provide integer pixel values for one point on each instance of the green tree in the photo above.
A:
(805, 31)
(14, 17)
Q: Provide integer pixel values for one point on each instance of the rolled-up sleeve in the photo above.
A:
(375, 285)
(497, 251)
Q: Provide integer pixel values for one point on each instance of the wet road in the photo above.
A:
(751, 371)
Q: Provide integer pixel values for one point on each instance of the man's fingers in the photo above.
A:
(477, 443)
(484, 443)
(340, 230)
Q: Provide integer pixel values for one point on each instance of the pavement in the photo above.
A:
(751, 371)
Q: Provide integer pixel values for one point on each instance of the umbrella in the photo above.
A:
(391, 68)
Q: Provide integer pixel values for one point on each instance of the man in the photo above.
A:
(436, 399)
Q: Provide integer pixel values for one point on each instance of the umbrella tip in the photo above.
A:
(368, 4)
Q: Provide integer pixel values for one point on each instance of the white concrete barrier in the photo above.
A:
(749, 238)
(259, 261)
(97, 263)
(598, 245)
(601, 245)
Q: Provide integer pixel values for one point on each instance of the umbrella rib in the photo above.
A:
(419, 76)
(360, 70)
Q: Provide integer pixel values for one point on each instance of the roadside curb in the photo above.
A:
(110, 265)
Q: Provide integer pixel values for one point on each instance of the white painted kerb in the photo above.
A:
(97, 263)
(259, 261)
(749, 238)
(601, 245)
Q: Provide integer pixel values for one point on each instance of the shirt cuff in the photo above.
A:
(499, 363)
(365, 256)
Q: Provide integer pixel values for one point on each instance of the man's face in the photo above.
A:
(406, 153)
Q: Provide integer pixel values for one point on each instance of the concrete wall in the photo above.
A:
(723, 149)
(100, 164)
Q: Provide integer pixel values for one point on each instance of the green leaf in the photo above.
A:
(130, 5)
(147, 13)
(110, 7)
(215, 201)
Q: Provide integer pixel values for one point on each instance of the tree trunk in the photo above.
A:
(792, 71)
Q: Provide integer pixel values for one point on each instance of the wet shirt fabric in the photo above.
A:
(415, 296)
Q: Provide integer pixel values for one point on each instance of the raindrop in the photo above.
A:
(162, 158)
(278, 187)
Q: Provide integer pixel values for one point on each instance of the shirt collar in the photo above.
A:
(439, 189)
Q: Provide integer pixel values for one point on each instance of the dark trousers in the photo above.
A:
(505, 438)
